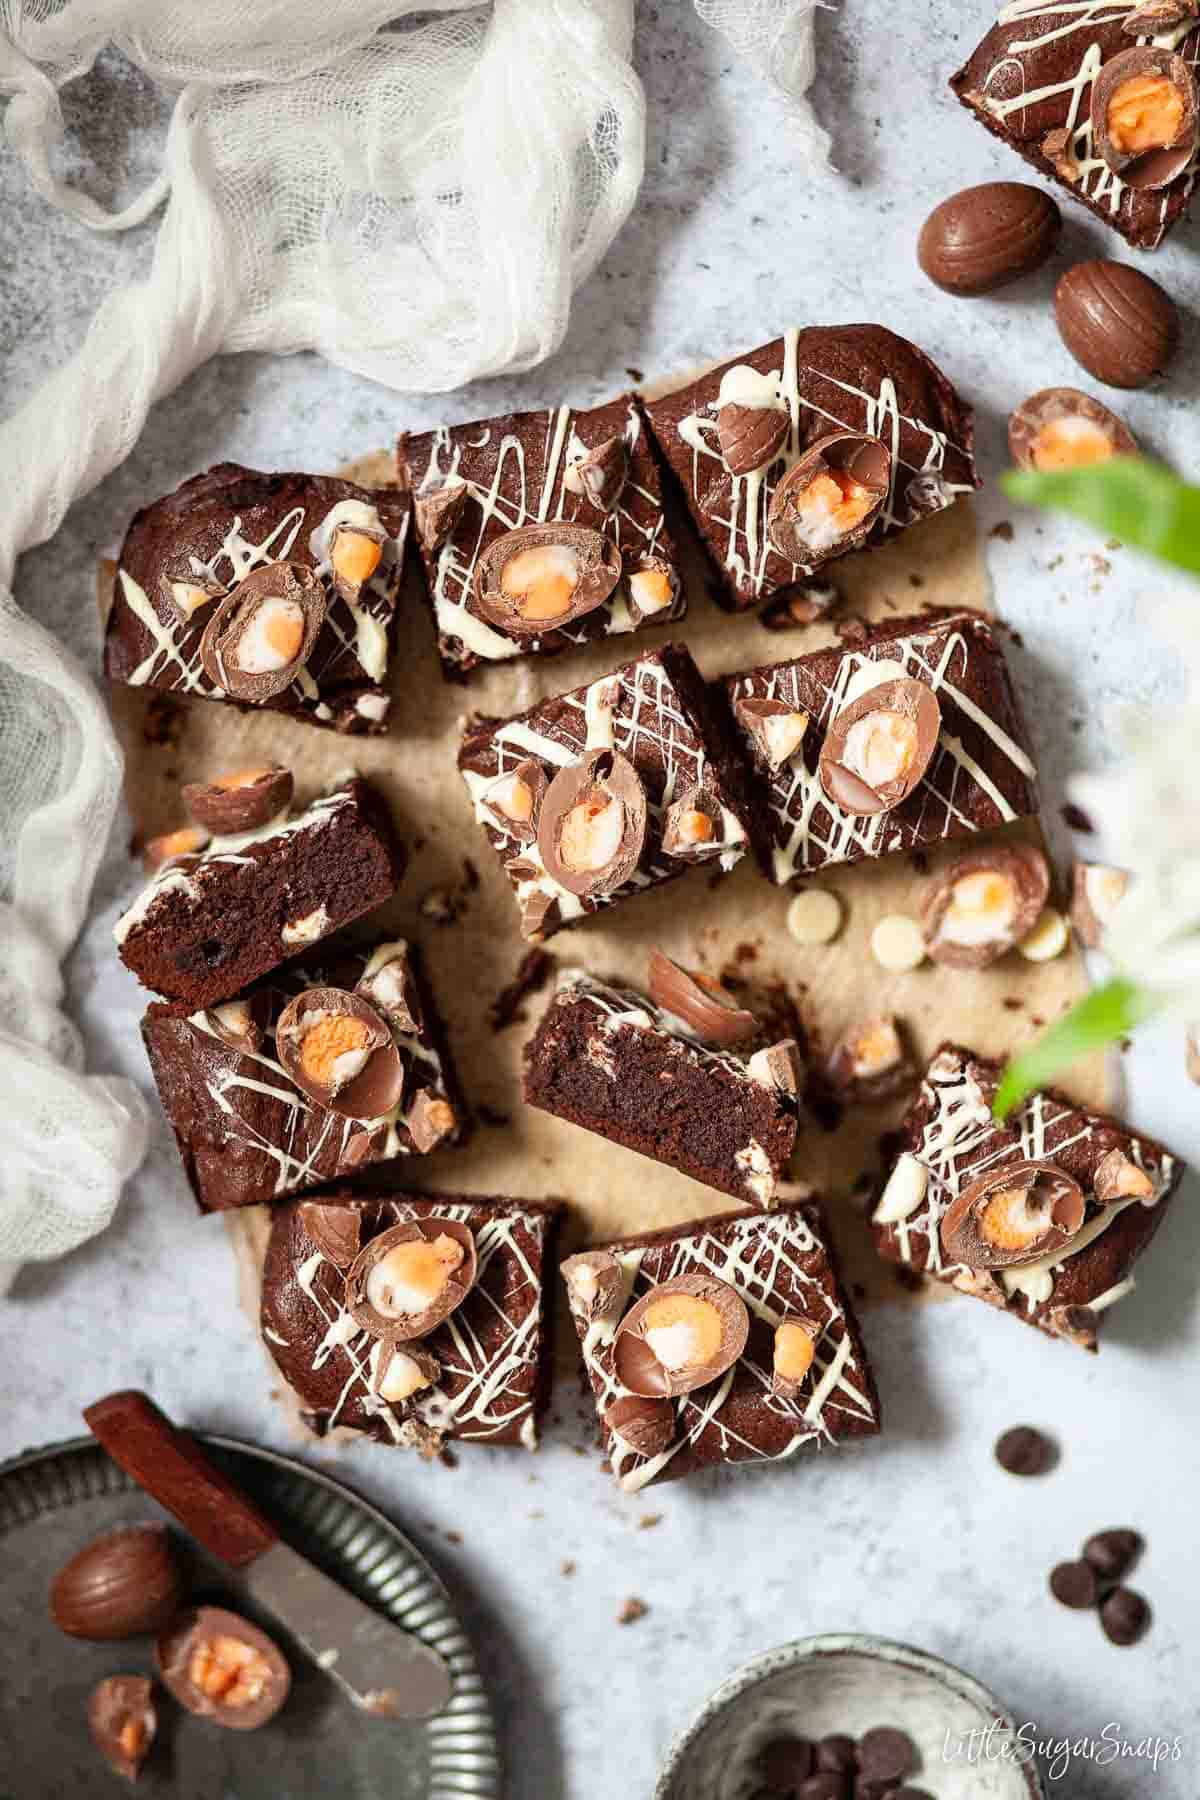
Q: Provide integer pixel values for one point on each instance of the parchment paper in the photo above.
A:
(736, 923)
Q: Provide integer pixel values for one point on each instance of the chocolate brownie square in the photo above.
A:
(1056, 1254)
(582, 488)
(1032, 82)
(324, 543)
(247, 1132)
(621, 785)
(979, 775)
(208, 925)
(612, 1061)
(798, 1378)
(851, 405)
(481, 1372)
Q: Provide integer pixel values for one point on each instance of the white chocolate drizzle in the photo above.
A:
(509, 501)
(961, 1142)
(811, 830)
(778, 1265)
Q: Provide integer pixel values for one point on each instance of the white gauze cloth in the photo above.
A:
(415, 198)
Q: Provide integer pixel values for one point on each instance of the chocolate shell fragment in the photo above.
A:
(123, 1722)
(222, 1667)
(1035, 82)
(701, 1004)
(680, 1336)
(411, 1278)
(592, 824)
(242, 801)
(340, 1053)
(829, 501)
(1062, 428)
(878, 748)
(984, 903)
(1013, 1215)
(1144, 116)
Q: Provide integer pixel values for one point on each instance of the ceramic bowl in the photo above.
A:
(848, 1684)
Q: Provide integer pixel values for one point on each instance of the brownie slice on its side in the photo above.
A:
(952, 1142)
(659, 715)
(801, 388)
(980, 776)
(246, 1133)
(209, 925)
(1031, 81)
(782, 1269)
(522, 471)
(190, 550)
(490, 1377)
(609, 1060)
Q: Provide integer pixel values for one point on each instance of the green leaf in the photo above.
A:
(1143, 503)
(1104, 1016)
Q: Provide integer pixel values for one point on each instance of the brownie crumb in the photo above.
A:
(447, 1457)
(1003, 530)
(163, 722)
(1010, 1003)
(568, 1567)
(911, 1279)
(491, 1116)
(454, 1537)
(633, 1610)
(648, 1521)
(533, 972)
(852, 630)
(916, 581)
(635, 374)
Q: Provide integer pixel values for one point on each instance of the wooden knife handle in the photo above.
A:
(172, 1467)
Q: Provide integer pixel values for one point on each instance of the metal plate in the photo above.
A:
(53, 1501)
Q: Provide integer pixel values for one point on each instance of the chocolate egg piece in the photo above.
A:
(241, 801)
(984, 903)
(680, 1336)
(708, 1010)
(592, 823)
(122, 1585)
(599, 475)
(123, 1722)
(436, 512)
(878, 748)
(340, 1052)
(984, 237)
(220, 1666)
(513, 801)
(1013, 1215)
(694, 827)
(1121, 326)
(335, 1230)
(540, 577)
(751, 437)
(263, 633)
(1062, 428)
(1144, 115)
(644, 1426)
(407, 1280)
(828, 502)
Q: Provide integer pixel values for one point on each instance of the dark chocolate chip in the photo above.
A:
(838, 1753)
(1125, 1616)
(1074, 1584)
(785, 1763)
(1112, 1553)
(1023, 1450)
(885, 1754)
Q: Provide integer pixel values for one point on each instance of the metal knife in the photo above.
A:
(384, 1669)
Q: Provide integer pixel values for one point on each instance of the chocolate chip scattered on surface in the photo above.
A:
(1024, 1450)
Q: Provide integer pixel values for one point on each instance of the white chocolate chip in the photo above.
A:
(307, 930)
(1048, 939)
(898, 943)
(815, 916)
(905, 1191)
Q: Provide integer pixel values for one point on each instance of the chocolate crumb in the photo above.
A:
(533, 971)
(1076, 818)
(912, 1279)
(917, 581)
(1011, 1003)
(745, 953)
(567, 1568)
(454, 1537)
(633, 1610)
(447, 1457)
(1003, 530)
(163, 721)
(648, 1521)
(491, 1116)
(635, 374)
(852, 630)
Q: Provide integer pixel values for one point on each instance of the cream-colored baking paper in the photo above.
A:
(735, 923)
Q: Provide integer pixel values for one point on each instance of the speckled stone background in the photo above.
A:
(919, 1536)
